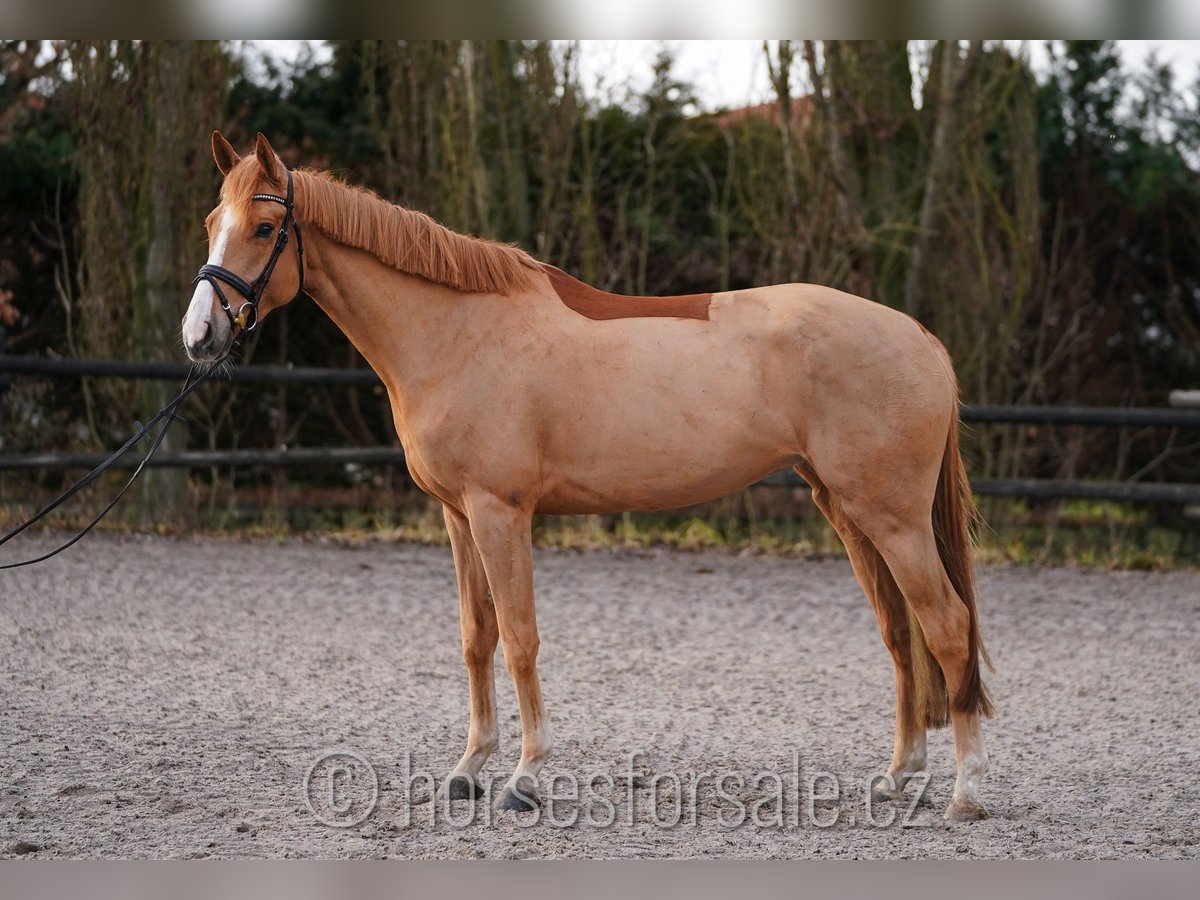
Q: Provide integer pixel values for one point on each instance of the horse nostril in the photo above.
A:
(197, 337)
(201, 335)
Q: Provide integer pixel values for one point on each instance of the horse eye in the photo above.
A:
(264, 230)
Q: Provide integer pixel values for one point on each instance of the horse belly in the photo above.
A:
(596, 494)
(631, 456)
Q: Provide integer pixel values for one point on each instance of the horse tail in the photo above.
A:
(953, 512)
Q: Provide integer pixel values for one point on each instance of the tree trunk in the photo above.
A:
(844, 176)
(162, 496)
(954, 76)
(143, 117)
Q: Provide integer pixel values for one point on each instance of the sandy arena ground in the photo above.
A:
(166, 698)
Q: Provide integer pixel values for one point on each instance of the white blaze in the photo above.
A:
(197, 319)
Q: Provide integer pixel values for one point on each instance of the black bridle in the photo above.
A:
(246, 318)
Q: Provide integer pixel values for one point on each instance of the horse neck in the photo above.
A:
(412, 332)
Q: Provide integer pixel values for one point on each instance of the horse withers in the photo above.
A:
(518, 390)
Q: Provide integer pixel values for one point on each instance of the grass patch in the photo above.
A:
(1089, 533)
(768, 521)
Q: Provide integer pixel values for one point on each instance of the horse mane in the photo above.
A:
(402, 238)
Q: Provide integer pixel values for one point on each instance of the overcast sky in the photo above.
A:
(733, 73)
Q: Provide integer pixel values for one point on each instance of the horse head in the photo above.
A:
(248, 274)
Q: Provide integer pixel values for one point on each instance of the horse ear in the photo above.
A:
(268, 160)
(224, 153)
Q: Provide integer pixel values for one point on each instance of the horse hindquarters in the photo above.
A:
(901, 485)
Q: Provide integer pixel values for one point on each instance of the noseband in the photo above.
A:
(246, 318)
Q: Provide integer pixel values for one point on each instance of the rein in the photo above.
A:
(240, 323)
(166, 413)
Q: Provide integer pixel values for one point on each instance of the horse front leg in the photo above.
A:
(503, 534)
(477, 622)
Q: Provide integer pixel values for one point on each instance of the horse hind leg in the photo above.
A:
(910, 549)
(920, 689)
(903, 485)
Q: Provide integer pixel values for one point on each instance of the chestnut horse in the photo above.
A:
(518, 390)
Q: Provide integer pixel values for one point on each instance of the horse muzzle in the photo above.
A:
(208, 341)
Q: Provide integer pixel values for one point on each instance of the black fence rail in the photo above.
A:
(106, 368)
(1138, 492)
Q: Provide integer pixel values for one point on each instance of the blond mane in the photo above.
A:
(402, 238)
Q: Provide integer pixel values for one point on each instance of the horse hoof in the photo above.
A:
(965, 811)
(520, 796)
(461, 787)
(884, 791)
